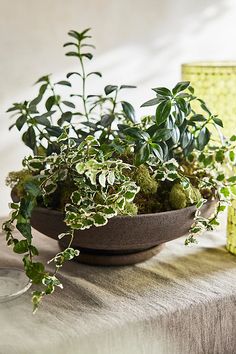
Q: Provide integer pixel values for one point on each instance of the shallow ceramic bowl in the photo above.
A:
(124, 239)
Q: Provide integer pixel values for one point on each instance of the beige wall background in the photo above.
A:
(138, 42)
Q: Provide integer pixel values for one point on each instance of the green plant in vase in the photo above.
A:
(93, 159)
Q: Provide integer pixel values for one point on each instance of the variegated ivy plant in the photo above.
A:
(93, 159)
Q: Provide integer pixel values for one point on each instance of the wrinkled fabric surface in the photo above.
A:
(181, 301)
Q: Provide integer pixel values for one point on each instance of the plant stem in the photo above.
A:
(59, 106)
(83, 84)
(84, 97)
(109, 131)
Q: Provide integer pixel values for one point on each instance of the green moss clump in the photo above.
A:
(130, 209)
(147, 183)
(146, 200)
(180, 198)
(16, 181)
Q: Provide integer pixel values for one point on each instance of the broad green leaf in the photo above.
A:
(102, 179)
(50, 102)
(203, 138)
(128, 111)
(90, 125)
(75, 35)
(97, 73)
(142, 154)
(80, 167)
(225, 191)
(130, 195)
(15, 107)
(158, 151)
(109, 211)
(106, 120)
(35, 271)
(233, 189)
(221, 208)
(233, 138)
(111, 177)
(25, 230)
(220, 156)
(204, 106)
(152, 102)
(232, 179)
(186, 139)
(92, 175)
(110, 88)
(218, 121)
(29, 138)
(72, 54)
(36, 101)
(175, 135)
(42, 120)
(162, 112)
(135, 133)
(127, 87)
(68, 104)
(121, 203)
(183, 105)
(198, 118)
(99, 219)
(21, 121)
(34, 251)
(82, 34)
(220, 177)
(65, 117)
(163, 91)
(180, 86)
(68, 44)
(76, 197)
(46, 115)
(21, 247)
(162, 134)
(54, 131)
(232, 156)
(87, 55)
(44, 78)
(63, 83)
(72, 73)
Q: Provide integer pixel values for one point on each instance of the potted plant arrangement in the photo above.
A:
(110, 185)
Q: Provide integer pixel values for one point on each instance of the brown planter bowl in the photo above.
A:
(124, 239)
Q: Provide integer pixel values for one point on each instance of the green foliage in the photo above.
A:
(93, 158)
(101, 190)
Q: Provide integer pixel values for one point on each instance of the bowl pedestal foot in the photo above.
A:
(109, 258)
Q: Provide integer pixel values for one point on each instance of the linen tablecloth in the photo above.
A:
(181, 301)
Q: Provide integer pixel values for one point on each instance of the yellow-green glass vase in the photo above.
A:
(231, 228)
(215, 83)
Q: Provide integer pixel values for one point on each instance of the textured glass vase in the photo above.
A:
(216, 84)
(231, 228)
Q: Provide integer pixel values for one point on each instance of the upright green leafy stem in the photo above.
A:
(79, 44)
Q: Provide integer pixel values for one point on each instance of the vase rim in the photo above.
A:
(210, 64)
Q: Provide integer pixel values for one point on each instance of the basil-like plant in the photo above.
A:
(93, 159)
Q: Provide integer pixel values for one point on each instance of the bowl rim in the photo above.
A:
(162, 213)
